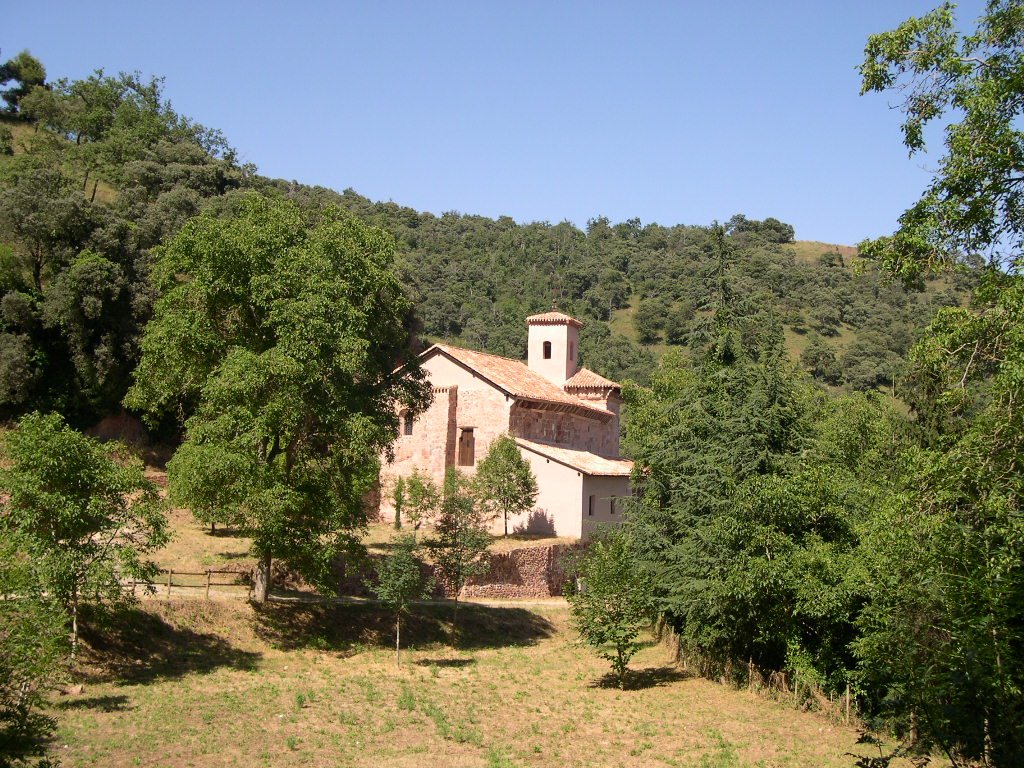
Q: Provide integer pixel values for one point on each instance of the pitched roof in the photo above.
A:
(585, 378)
(584, 461)
(514, 377)
(553, 318)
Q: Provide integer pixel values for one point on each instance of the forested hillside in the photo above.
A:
(95, 173)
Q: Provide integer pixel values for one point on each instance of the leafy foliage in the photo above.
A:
(400, 581)
(423, 499)
(940, 635)
(284, 334)
(460, 539)
(504, 484)
(84, 516)
(32, 646)
(614, 601)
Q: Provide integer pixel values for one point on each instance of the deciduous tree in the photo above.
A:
(613, 602)
(504, 484)
(84, 515)
(460, 540)
(400, 581)
(943, 636)
(288, 335)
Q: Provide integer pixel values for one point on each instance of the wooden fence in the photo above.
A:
(171, 579)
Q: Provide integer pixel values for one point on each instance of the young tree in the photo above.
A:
(400, 581)
(32, 644)
(504, 484)
(85, 516)
(422, 499)
(613, 602)
(460, 540)
(288, 334)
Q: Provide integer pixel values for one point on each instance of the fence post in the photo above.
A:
(207, 583)
(170, 573)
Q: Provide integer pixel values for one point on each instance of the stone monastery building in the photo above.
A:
(565, 420)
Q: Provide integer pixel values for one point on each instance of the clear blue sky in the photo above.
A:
(673, 112)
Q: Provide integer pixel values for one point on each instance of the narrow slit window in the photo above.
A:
(547, 350)
(590, 505)
(407, 424)
(467, 447)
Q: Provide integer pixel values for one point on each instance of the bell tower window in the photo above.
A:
(547, 350)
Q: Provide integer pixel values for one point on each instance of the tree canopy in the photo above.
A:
(287, 337)
(83, 515)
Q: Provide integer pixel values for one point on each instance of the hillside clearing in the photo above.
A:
(218, 684)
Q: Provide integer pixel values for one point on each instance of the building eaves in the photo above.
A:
(582, 461)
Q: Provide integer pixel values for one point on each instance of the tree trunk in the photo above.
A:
(398, 636)
(506, 525)
(261, 582)
(213, 528)
(74, 625)
(455, 623)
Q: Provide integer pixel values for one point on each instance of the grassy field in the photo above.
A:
(193, 683)
(187, 682)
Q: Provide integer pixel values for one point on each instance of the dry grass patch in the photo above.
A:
(183, 682)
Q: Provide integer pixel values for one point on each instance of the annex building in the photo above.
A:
(565, 420)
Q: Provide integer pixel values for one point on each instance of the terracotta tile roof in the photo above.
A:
(515, 378)
(553, 318)
(585, 462)
(585, 378)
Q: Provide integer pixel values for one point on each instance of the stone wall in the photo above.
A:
(529, 572)
(430, 448)
(565, 429)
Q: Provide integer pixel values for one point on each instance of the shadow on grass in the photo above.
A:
(640, 679)
(101, 703)
(349, 627)
(137, 646)
(450, 663)
(234, 555)
(24, 738)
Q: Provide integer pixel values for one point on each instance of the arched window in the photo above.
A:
(407, 423)
(547, 350)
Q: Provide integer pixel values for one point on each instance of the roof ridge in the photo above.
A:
(488, 354)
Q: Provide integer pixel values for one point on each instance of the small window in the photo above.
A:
(611, 505)
(407, 424)
(590, 505)
(467, 448)
(547, 350)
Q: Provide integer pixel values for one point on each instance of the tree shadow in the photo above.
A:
(446, 663)
(101, 703)
(641, 679)
(24, 738)
(136, 647)
(349, 627)
(538, 525)
(235, 555)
